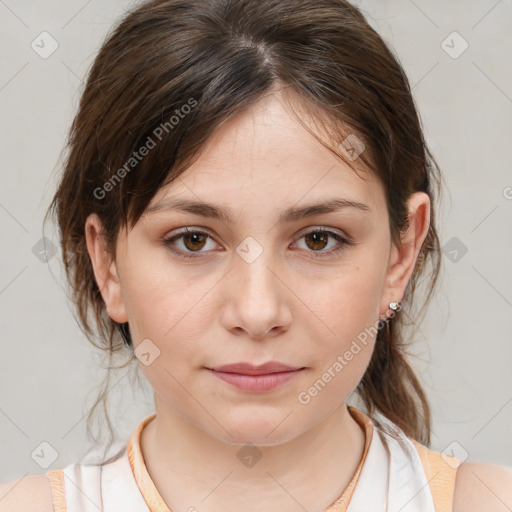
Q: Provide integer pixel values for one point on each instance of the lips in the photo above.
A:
(244, 368)
(251, 378)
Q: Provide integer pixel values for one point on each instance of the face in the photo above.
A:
(200, 291)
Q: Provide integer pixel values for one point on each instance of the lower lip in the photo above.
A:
(265, 382)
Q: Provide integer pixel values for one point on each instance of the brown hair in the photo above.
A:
(172, 71)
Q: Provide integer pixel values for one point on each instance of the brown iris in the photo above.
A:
(318, 238)
(194, 238)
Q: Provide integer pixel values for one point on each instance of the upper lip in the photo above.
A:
(250, 369)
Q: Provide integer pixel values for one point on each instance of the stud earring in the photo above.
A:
(395, 306)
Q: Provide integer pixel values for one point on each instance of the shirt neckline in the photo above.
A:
(156, 503)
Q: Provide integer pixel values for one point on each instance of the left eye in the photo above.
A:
(194, 241)
(318, 239)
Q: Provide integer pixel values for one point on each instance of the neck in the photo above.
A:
(190, 467)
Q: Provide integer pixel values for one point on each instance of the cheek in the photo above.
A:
(348, 308)
(350, 302)
(341, 357)
(162, 301)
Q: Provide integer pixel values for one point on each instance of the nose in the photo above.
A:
(256, 298)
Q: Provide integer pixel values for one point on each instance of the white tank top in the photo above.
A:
(392, 479)
(107, 488)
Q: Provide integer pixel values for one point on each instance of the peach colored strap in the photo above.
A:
(341, 503)
(56, 479)
(441, 472)
(140, 472)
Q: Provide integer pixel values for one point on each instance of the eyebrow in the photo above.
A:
(292, 214)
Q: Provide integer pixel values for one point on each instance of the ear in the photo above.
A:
(403, 257)
(105, 269)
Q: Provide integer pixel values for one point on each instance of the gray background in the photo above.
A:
(48, 370)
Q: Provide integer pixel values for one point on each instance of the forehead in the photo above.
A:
(265, 158)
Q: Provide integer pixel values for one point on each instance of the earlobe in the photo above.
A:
(105, 269)
(403, 256)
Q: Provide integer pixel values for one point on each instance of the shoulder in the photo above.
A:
(482, 487)
(466, 486)
(29, 494)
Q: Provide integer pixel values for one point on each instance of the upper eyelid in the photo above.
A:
(303, 231)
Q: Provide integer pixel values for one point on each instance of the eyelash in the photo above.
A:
(317, 254)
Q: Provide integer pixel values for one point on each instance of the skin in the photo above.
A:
(285, 306)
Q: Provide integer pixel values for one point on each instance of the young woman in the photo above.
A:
(246, 208)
